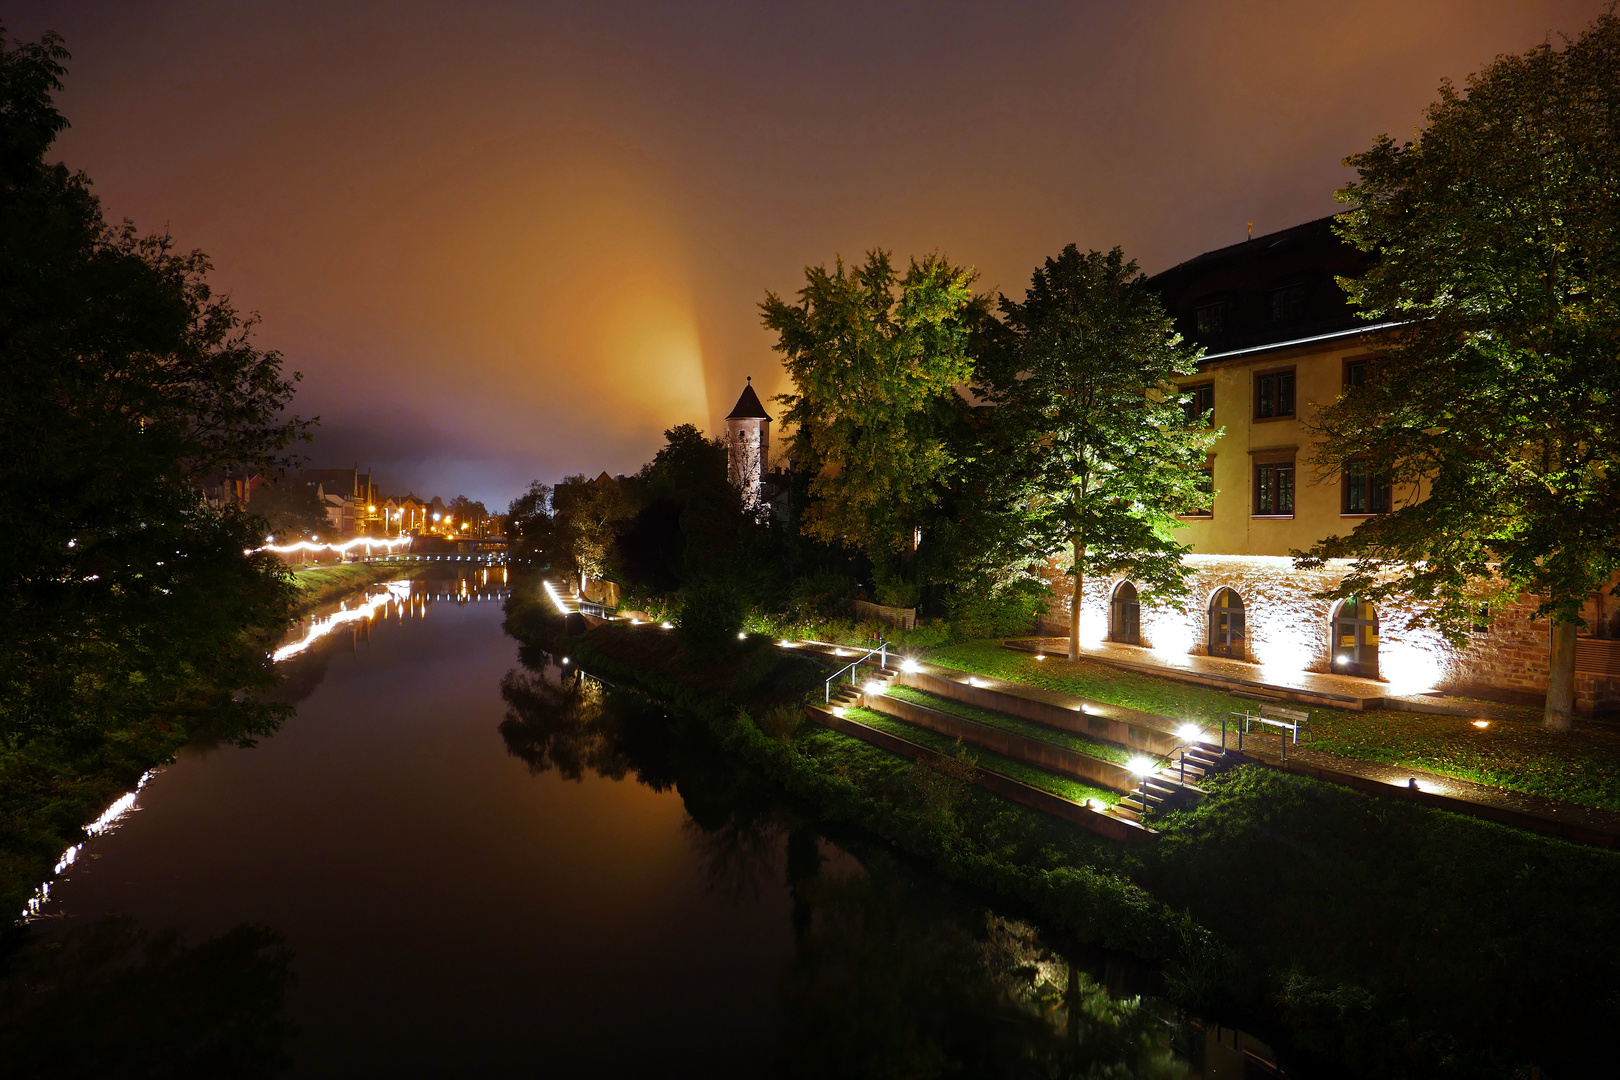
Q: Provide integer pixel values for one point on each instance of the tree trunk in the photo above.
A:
(1074, 603)
(1560, 715)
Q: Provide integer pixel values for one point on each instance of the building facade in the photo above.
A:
(1279, 339)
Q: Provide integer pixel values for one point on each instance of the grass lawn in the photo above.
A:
(1028, 774)
(1080, 744)
(322, 584)
(1517, 754)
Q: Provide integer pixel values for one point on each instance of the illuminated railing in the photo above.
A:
(343, 549)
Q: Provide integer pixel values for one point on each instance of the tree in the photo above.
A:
(1497, 396)
(468, 515)
(290, 509)
(585, 513)
(1100, 456)
(875, 358)
(125, 599)
(529, 523)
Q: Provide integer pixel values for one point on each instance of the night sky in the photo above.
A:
(507, 241)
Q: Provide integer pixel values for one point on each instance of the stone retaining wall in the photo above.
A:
(1043, 755)
(1104, 824)
(1098, 724)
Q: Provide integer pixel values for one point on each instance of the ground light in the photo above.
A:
(874, 687)
(1189, 733)
(910, 666)
(1482, 724)
(668, 626)
(1142, 766)
(742, 636)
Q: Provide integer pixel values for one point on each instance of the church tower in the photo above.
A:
(748, 445)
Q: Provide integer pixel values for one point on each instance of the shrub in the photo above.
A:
(711, 614)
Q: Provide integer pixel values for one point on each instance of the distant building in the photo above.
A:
(748, 446)
(353, 503)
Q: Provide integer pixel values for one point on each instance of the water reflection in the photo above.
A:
(893, 974)
(109, 1000)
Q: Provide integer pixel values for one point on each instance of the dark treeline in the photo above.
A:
(133, 619)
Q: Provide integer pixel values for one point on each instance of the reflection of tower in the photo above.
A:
(748, 445)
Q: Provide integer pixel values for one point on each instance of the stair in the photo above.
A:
(846, 695)
(1164, 790)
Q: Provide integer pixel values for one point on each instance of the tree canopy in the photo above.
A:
(875, 357)
(1495, 402)
(128, 378)
(1097, 453)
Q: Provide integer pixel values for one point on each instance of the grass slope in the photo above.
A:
(1080, 744)
(1517, 754)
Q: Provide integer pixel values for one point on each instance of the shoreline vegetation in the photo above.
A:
(1362, 936)
(50, 792)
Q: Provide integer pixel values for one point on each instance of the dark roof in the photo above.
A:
(1265, 291)
(748, 406)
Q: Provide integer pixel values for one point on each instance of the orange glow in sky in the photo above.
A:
(507, 241)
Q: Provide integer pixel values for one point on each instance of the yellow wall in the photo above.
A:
(1233, 529)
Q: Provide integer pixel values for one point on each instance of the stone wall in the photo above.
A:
(1289, 630)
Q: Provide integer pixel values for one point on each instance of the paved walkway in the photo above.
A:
(1255, 680)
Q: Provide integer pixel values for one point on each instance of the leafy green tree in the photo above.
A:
(585, 513)
(1099, 454)
(1496, 400)
(124, 599)
(875, 357)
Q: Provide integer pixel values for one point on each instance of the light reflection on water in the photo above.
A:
(628, 881)
(399, 599)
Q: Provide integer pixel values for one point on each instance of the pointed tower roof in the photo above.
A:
(748, 406)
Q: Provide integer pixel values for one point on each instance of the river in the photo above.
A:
(451, 863)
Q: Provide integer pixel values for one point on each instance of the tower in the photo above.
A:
(748, 445)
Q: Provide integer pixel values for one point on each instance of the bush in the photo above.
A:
(711, 615)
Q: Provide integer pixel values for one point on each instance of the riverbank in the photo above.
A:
(1364, 936)
(320, 585)
(49, 790)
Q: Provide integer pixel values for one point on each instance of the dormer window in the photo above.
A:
(1211, 319)
(1288, 304)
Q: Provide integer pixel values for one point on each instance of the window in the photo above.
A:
(1211, 319)
(1482, 619)
(1288, 305)
(1274, 490)
(1206, 484)
(1355, 373)
(1125, 615)
(1273, 395)
(1365, 492)
(1200, 400)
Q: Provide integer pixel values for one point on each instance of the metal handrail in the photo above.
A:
(882, 649)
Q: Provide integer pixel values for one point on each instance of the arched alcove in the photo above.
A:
(1125, 615)
(1226, 627)
(1355, 638)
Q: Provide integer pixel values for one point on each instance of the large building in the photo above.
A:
(1280, 338)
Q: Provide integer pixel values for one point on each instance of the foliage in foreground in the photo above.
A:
(1497, 397)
